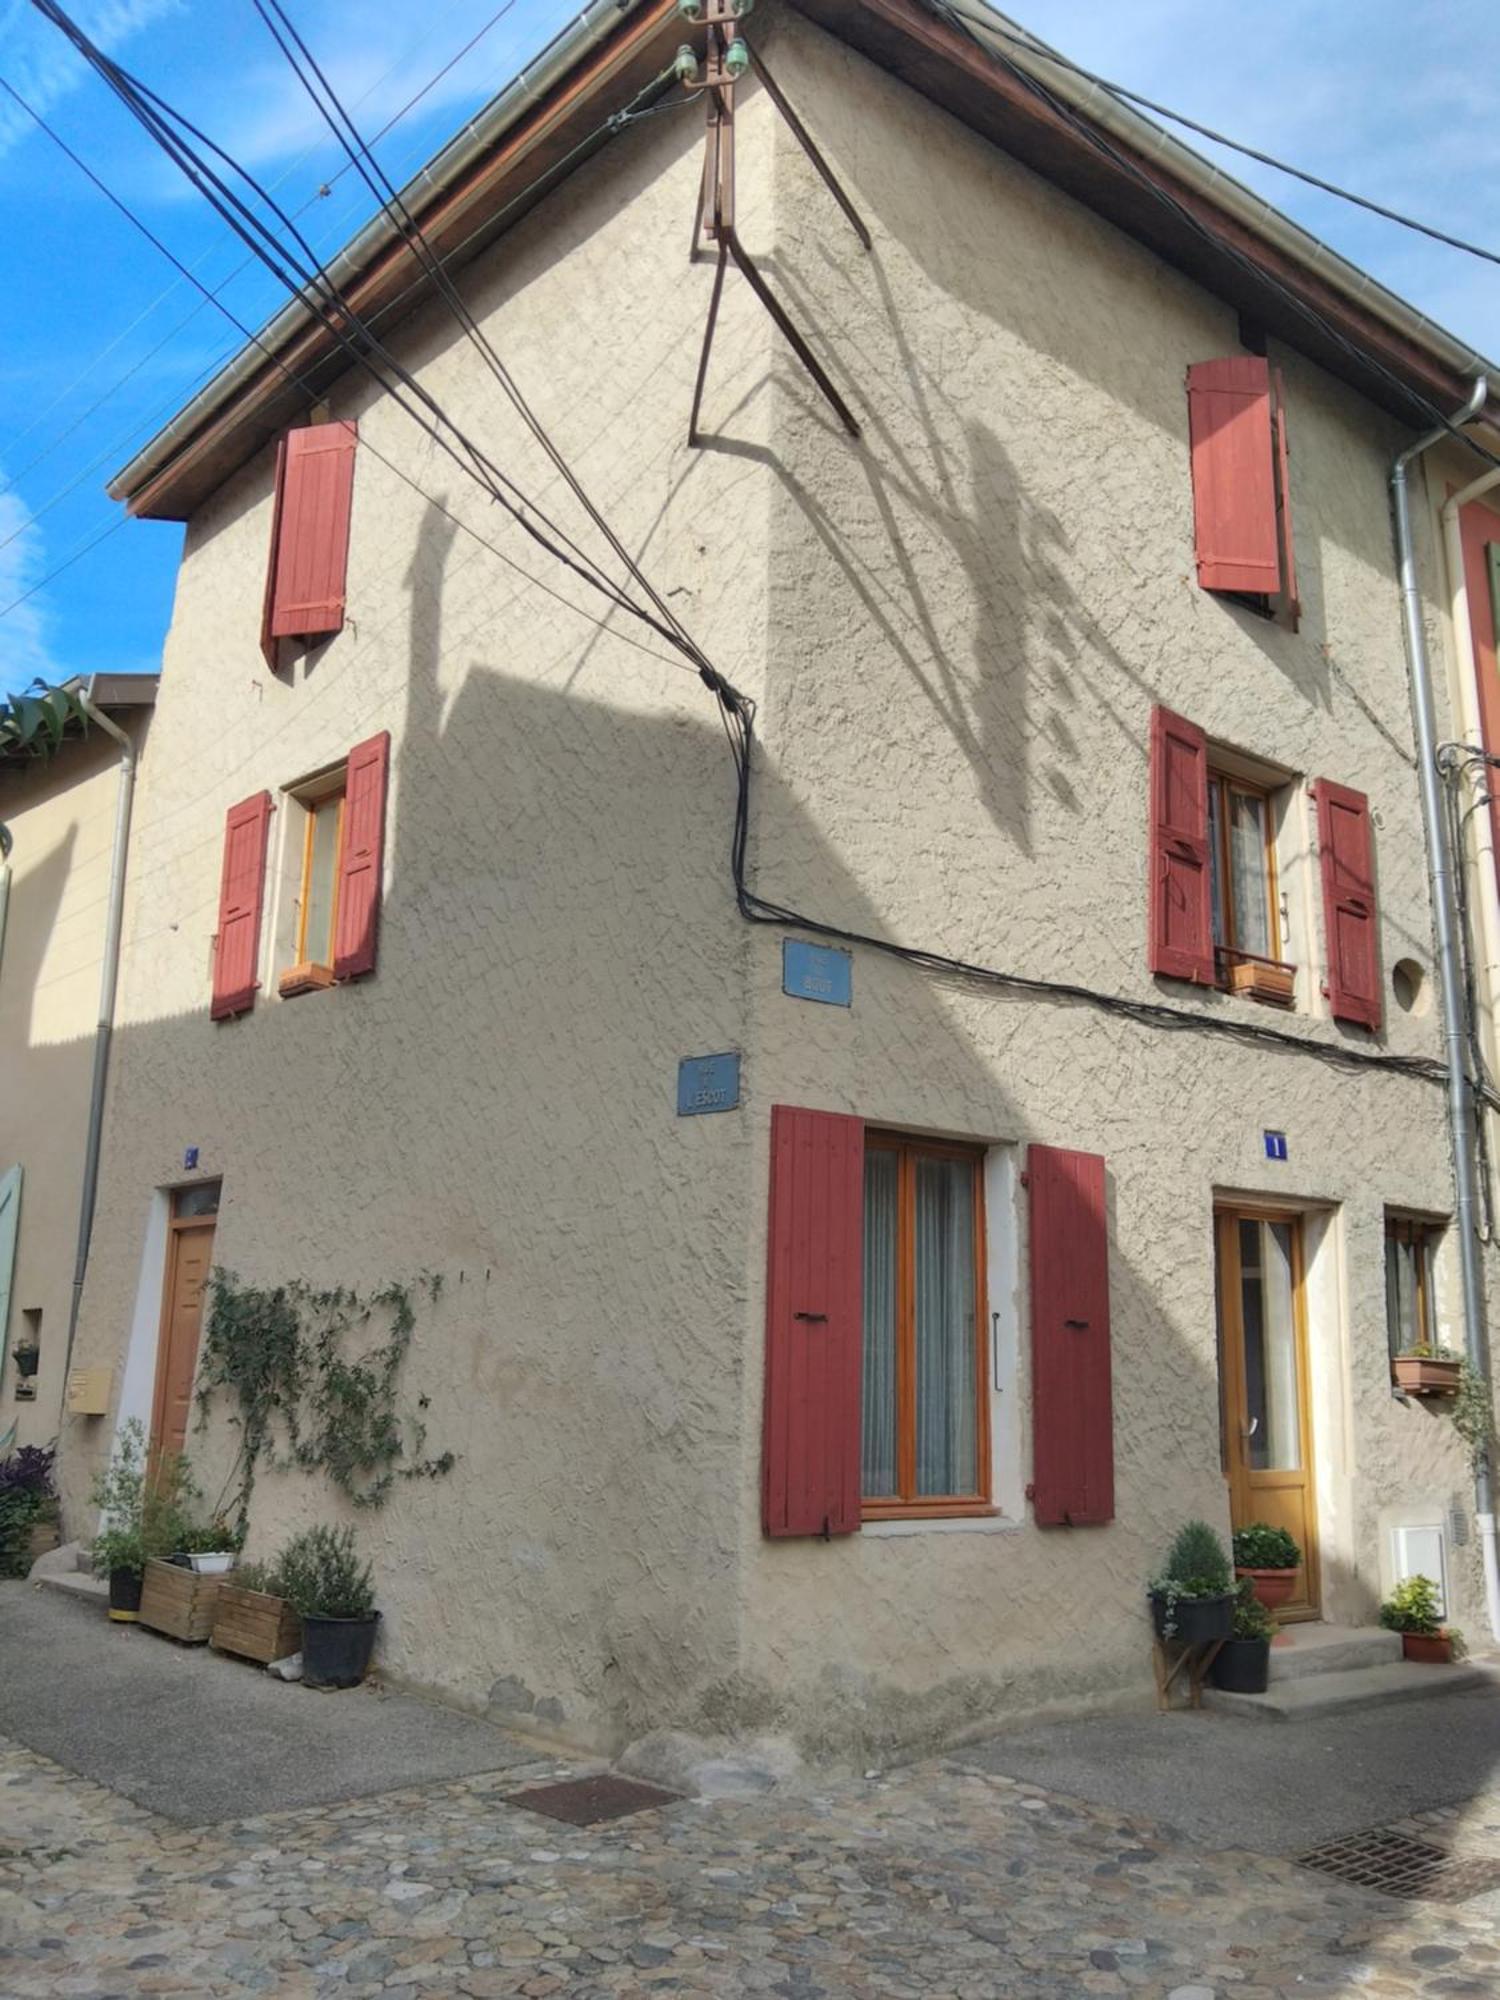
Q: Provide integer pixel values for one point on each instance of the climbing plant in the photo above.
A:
(308, 1389)
(1473, 1412)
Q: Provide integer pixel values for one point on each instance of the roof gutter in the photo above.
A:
(428, 185)
(1013, 44)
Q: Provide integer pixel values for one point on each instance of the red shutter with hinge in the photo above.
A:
(1072, 1408)
(361, 858)
(1234, 482)
(242, 889)
(1346, 851)
(268, 605)
(810, 1461)
(310, 546)
(1181, 922)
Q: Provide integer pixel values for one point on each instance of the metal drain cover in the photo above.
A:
(588, 1801)
(1397, 1865)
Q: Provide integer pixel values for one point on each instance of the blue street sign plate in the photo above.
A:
(707, 1083)
(815, 972)
(1275, 1145)
(190, 1157)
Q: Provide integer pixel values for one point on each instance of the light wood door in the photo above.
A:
(190, 1250)
(1263, 1374)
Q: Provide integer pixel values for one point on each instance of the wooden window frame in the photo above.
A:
(1422, 1230)
(1222, 783)
(908, 1505)
(309, 975)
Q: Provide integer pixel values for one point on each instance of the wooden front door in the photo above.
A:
(1264, 1381)
(190, 1250)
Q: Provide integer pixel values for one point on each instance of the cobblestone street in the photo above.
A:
(941, 1880)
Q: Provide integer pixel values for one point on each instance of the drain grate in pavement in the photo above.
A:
(588, 1801)
(1397, 1865)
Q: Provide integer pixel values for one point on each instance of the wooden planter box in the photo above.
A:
(254, 1624)
(179, 1602)
(1426, 1375)
(1259, 979)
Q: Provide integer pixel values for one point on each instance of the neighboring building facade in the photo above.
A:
(60, 812)
(864, 1406)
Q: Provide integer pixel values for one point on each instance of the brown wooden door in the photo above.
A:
(1264, 1379)
(190, 1249)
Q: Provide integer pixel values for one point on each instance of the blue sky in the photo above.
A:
(99, 342)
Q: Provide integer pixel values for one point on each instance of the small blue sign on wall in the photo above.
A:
(816, 972)
(707, 1083)
(1275, 1145)
(190, 1157)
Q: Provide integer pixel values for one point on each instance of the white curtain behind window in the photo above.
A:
(879, 1478)
(946, 1359)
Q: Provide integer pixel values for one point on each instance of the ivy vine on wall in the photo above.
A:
(308, 1388)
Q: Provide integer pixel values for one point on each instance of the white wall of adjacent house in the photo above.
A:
(956, 631)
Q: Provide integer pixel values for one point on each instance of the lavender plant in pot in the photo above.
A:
(333, 1593)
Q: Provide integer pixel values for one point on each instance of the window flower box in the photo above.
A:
(1426, 1374)
(1263, 979)
(304, 979)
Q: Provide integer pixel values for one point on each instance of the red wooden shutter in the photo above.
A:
(241, 893)
(810, 1464)
(268, 605)
(1350, 918)
(1234, 482)
(1181, 914)
(1072, 1410)
(361, 858)
(310, 549)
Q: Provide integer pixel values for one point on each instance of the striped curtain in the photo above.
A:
(945, 1327)
(879, 1477)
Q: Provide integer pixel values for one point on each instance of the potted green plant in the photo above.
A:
(28, 1359)
(1270, 1559)
(1192, 1601)
(119, 1546)
(1424, 1370)
(28, 1507)
(333, 1593)
(1242, 1664)
(1411, 1609)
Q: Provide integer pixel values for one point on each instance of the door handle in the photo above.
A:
(1248, 1433)
(810, 1316)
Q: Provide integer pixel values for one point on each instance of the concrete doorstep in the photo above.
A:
(1330, 1669)
(67, 1570)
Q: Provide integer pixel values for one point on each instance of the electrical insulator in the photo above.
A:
(690, 10)
(736, 58)
(686, 64)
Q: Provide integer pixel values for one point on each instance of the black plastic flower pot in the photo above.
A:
(1196, 1621)
(28, 1360)
(336, 1651)
(125, 1595)
(1242, 1666)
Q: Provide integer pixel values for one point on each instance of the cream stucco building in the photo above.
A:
(63, 842)
(1086, 1193)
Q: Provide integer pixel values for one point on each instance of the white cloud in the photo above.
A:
(45, 67)
(24, 652)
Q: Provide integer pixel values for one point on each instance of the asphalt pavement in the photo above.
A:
(198, 1737)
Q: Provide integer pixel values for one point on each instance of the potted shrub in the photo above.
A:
(119, 1547)
(252, 1617)
(1192, 1601)
(1411, 1609)
(1242, 1664)
(1422, 1370)
(28, 1359)
(206, 1547)
(1270, 1559)
(28, 1508)
(333, 1593)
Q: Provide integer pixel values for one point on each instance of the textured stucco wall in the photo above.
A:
(62, 818)
(498, 1104)
(971, 615)
(956, 630)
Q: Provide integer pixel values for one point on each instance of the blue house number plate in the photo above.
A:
(815, 972)
(1275, 1145)
(707, 1083)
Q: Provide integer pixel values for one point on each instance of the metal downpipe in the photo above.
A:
(108, 981)
(1455, 1042)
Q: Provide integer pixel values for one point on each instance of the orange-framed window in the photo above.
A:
(1242, 857)
(318, 885)
(925, 1403)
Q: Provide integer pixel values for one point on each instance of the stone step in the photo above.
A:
(1331, 1649)
(65, 1569)
(1316, 1695)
